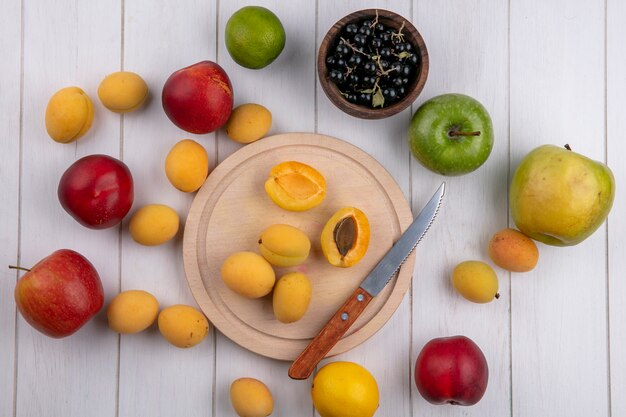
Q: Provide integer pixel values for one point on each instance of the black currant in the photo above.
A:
(352, 97)
(370, 67)
(365, 98)
(365, 30)
(342, 50)
(385, 53)
(367, 23)
(360, 39)
(406, 70)
(376, 43)
(368, 81)
(389, 93)
(354, 78)
(413, 59)
(384, 64)
(340, 62)
(337, 76)
(355, 60)
(379, 27)
(397, 82)
(352, 29)
(330, 60)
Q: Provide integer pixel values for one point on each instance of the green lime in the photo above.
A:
(254, 37)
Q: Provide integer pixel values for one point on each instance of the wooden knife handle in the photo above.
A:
(330, 334)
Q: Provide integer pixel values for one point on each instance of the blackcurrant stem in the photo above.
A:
(455, 133)
(19, 267)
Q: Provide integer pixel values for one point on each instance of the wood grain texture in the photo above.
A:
(285, 87)
(330, 334)
(559, 326)
(386, 354)
(10, 105)
(468, 56)
(76, 375)
(616, 149)
(159, 40)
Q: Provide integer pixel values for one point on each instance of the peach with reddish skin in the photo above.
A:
(198, 98)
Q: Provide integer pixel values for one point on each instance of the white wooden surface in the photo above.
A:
(548, 71)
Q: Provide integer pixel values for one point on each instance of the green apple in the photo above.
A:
(560, 197)
(451, 134)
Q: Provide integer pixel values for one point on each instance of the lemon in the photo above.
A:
(254, 37)
(344, 389)
(476, 281)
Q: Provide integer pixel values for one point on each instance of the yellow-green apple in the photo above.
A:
(60, 293)
(560, 197)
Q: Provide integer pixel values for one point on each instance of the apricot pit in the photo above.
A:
(345, 237)
(295, 186)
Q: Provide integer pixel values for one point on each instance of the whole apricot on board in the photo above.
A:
(123, 91)
(248, 274)
(292, 295)
(514, 251)
(345, 237)
(69, 115)
(284, 245)
(295, 186)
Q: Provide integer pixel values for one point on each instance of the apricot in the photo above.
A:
(514, 251)
(183, 326)
(154, 224)
(248, 274)
(122, 92)
(475, 281)
(345, 237)
(187, 165)
(295, 186)
(284, 245)
(248, 123)
(251, 398)
(132, 311)
(292, 295)
(69, 115)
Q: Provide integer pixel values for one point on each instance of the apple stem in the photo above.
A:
(19, 267)
(456, 133)
(567, 147)
(497, 295)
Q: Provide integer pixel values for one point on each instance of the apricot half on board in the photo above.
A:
(345, 237)
(295, 186)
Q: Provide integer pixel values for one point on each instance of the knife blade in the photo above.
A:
(371, 286)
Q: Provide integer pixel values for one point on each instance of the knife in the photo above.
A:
(373, 284)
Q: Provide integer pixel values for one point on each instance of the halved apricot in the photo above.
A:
(295, 186)
(345, 237)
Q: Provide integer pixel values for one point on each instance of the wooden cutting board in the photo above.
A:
(232, 209)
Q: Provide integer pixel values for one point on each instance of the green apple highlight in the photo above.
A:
(451, 134)
(560, 197)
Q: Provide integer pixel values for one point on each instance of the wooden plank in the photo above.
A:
(286, 88)
(65, 44)
(387, 354)
(10, 103)
(156, 378)
(616, 88)
(468, 56)
(559, 327)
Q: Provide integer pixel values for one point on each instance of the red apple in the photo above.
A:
(59, 294)
(97, 191)
(451, 370)
(198, 98)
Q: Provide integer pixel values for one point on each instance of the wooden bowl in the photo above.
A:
(394, 21)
